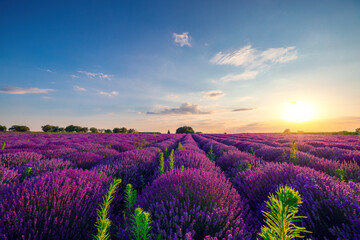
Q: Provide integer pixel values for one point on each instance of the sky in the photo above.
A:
(217, 66)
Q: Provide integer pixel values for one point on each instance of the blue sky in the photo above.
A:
(219, 66)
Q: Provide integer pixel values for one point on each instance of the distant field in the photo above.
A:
(194, 186)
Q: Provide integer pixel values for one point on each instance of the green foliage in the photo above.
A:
(182, 167)
(284, 156)
(3, 145)
(211, 154)
(108, 131)
(171, 160)
(185, 129)
(94, 130)
(242, 168)
(180, 147)
(294, 155)
(340, 174)
(162, 163)
(154, 135)
(103, 222)
(140, 225)
(51, 128)
(18, 128)
(130, 197)
(2, 128)
(166, 153)
(281, 217)
(252, 152)
(28, 171)
(132, 130)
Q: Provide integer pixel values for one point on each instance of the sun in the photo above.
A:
(298, 112)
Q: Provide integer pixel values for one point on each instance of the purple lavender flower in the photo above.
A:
(56, 205)
(18, 158)
(196, 201)
(8, 175)
(84, 160)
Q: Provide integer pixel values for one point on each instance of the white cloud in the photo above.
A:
(108, 94)
(184, 109)
(95, 75)
(247, 75)
(19, 90)
(182, 39)
(48, 70)
(252, 60)
(74, 76)
(80, 89)
(213, 94)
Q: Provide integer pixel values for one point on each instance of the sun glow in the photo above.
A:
(298, 112)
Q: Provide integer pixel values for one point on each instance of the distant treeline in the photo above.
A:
(70, 128)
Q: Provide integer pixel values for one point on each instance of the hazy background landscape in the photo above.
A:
(228, 66)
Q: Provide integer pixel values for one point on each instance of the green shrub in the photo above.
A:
(130, 197)
(280, 218)
(103, 222)
(140, 225)
(171, 160)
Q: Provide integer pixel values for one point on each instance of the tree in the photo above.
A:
(123, 130)
(287, 130)
(116, 130)
(94, 130)
(132, 130)
(357, 130)
(72, 128)
(50, 128)
(185, 129)
(168, 131)
(108, 131)
(84, 129)
(2, 128)
(18, 128)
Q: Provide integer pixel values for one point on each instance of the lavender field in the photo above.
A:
(193, 186)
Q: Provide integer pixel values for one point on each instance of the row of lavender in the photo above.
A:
(332, 207)
(195, 203)
(47, 191)
(343, 168)
(45, 203)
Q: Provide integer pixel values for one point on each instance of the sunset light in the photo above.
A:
(298, 112)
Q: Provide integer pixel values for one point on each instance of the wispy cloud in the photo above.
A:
(96, 75)
(182, 39)
(213, 94)
(253, 60)
(80, 89)
(109, 94)
(242, 109)
(247, 75)
(19, 90)
(74, 76)
(48, 70)
(184, 109)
